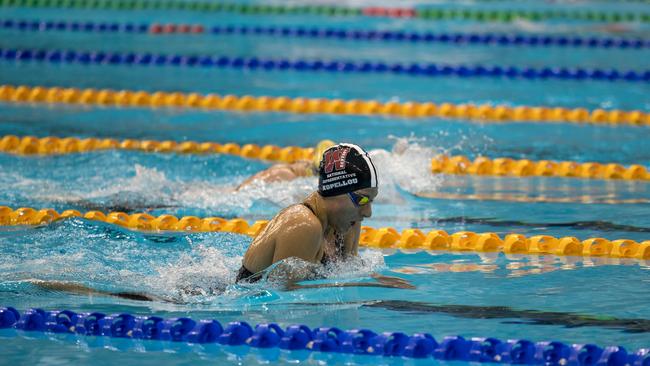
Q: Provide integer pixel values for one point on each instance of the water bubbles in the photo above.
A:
(202, 273)
(403, 166)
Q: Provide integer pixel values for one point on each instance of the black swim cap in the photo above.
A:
(345, 168)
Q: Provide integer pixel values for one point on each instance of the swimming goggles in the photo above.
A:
(358, 199)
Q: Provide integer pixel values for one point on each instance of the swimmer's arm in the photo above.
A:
(303, 241)
(79, 289)
(275, 173)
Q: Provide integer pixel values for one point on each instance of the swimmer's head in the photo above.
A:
(347, 179)
(345, 168)
(320, 149)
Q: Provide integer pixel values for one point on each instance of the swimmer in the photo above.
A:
(326, 226)
(287, 172)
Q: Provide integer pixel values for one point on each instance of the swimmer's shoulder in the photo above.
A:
(300, 215)
(295, 217)
(297, 223)
(299, 233)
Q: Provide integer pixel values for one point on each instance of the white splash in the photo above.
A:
(367, 262)
(203, 272)
(147, 187)
(403, 168)
(282, 194)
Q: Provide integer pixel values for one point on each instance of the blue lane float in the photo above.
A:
(85, 27)
(323, 339)
(486, 39)
(332, 66)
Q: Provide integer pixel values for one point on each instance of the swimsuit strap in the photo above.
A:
(310, 208)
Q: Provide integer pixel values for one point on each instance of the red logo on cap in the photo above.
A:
(335, 159)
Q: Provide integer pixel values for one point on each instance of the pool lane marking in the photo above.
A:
(367, 67)
(285, 31)
(440, 164)
(248, 103)
(381, 238)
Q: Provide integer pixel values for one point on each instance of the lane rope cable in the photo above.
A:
(321, 339)
(387, 237)
(487, 39)
(429, 70)
(248, 103)
(458, 165)
(433, 14)
(51, 145)
(461, 165)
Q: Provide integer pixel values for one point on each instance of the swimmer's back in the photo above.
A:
(293, 232)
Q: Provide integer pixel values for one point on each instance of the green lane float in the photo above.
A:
(431, 13)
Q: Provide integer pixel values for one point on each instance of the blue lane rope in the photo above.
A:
(88, 27)
(343, 34)
(323, 339)
(365, 67)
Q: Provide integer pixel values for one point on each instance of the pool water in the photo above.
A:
(494, 292)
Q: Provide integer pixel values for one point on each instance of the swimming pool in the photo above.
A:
(468, 294)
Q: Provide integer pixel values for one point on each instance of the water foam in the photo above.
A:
(146, 188)
(150, 187)
(200, 275)
(402, 168)
(280, 194)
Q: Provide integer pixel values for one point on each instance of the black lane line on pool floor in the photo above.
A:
(531, 317)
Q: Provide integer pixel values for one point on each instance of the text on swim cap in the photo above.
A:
(349, 182)
(338, 176)
(335, 159)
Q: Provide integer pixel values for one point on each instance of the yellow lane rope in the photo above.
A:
(585, 199)
(248, 103)
(544, 168)
(388, 237)
(30, 145)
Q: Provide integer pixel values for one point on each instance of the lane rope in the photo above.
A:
(331, 66)
(322, 339)
(524, 198)
(458, 165)
(248, 103)
(387, 237)
(51, 145)
(434, 14)
(488, 39)
(461, 165)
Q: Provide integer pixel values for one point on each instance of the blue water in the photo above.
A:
(110, 258)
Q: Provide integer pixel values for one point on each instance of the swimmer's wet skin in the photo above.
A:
(84, 290)
(291, 171)
(326, 226)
